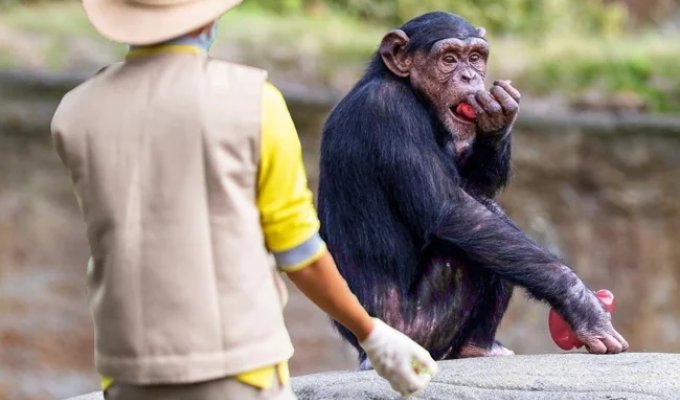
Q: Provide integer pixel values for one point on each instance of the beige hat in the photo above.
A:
(141, 22)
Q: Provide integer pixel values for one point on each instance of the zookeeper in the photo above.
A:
(189, 174)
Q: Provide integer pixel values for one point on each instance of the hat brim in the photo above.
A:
(133, 23)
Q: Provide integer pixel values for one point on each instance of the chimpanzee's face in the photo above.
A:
(446, 75)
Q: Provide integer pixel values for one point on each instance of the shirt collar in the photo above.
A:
(181, 45)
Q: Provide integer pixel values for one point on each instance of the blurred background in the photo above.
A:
(596, 158)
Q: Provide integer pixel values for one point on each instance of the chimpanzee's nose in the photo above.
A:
(467, 75)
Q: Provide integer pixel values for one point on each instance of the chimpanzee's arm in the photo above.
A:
(494, 243)
(432, 202)
(487, 169)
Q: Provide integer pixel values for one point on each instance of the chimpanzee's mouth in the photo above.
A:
(463, 113)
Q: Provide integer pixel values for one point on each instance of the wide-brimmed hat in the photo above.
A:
(141, 22)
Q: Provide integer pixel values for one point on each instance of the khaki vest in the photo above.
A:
(163, 152)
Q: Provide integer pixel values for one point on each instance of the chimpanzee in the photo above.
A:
(411, 160)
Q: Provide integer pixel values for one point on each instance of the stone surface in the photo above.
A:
(546, 377)
(632, 376)
(89, 396)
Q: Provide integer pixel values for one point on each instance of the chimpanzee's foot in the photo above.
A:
(365, 365)
(497, 349)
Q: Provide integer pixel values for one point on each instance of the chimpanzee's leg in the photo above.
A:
(494, 301)
(349, 337)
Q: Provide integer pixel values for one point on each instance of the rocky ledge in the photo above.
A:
(631, 376)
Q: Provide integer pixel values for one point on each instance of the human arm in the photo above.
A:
(324, 286)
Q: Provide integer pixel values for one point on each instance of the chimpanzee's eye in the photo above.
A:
(449, 59)
(474, 57)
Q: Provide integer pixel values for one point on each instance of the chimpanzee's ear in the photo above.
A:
(481, 32)
(393, 53)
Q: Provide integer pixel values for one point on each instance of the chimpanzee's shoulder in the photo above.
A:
(383, 89)
(381, 97)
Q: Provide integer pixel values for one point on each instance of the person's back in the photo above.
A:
(161, 187)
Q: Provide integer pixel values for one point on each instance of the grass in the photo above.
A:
(316, 45)
(331, 49)
(62, 20)
(44, 35)
(644, 66)
(321, 47)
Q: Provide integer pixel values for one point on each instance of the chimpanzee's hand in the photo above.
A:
(496, 109)
(597, 333)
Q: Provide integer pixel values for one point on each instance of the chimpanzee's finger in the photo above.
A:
(488, 102)
(508, 103)
(473, 102)
(621, 339)
(613, 345)
(595, 346)
(508, 88)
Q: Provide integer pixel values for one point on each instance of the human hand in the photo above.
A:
(402, 362)
(496, 110)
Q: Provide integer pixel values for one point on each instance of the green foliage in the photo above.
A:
(645, 68)
(527, 17)
(285, 6)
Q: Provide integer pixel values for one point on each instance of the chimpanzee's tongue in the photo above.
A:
(465, 110)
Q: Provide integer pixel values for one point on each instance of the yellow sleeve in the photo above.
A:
(288, 217)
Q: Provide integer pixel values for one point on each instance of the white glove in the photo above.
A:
(402, 362)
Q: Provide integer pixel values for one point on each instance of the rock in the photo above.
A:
(630, 376)
(89, 396)
(545, 377)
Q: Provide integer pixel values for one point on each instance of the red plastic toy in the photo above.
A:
(466, 110)
(561, 332)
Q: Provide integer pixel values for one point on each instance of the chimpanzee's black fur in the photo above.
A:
(413, 228)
